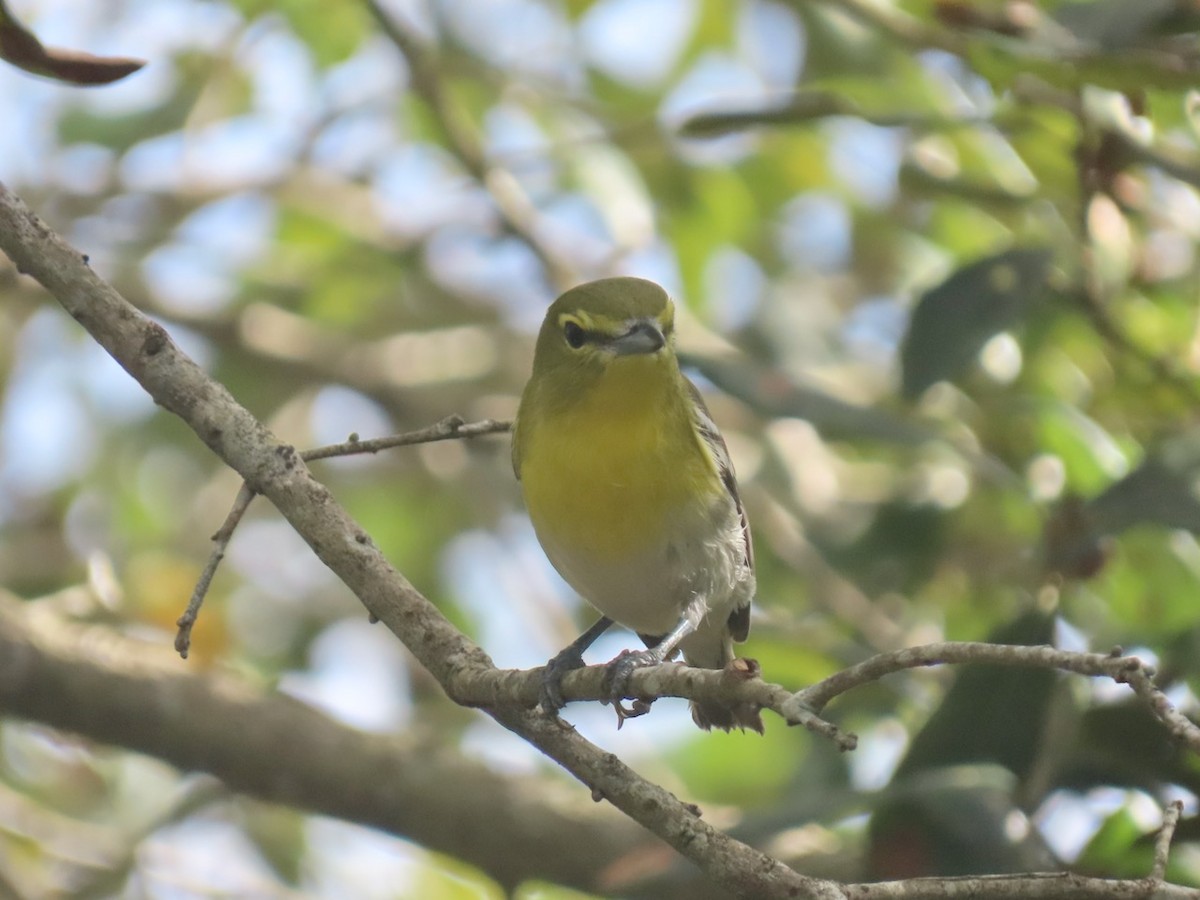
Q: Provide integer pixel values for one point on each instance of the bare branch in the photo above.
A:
(90, 680)
(1162, 843)
(221, 539)
(516, 210)
(811, 106)
(450, 428)
(1033, 886)
(1122, 669)
(493, 687)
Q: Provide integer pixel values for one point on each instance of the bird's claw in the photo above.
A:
(616, 682)
(550, 695)
(637, 708)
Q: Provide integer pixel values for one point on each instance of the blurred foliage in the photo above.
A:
(938, 264)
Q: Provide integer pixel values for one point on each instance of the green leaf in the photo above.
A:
(1163, 489)
(279, 835)
(953, 321)
(332, 31)
(543, 890)
(742, 768)
(1113, 848)
(1091, 456)
(1125, 745)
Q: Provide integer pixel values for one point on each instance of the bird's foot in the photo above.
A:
(550, 696)
(616, 682)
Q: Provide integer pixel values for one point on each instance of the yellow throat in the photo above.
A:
(605, 474)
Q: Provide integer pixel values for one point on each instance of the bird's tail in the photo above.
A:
(713, 649)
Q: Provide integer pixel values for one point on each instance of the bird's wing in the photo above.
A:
(739, 619)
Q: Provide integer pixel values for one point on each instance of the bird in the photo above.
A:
(631, 491)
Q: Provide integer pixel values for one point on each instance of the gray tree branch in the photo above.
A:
(136, 694)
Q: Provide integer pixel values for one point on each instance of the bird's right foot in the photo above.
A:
(617, 678)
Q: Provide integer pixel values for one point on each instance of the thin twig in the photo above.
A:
(1181, 727)
(1026, 886)
(1162, 843)
(513, 205)
(1121, 669)
(809, 106)
(449, 428)
(183, 637)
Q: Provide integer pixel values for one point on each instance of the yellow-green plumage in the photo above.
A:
(626, 481)
(628, 452)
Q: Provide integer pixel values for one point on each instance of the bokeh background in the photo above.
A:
(937, 269)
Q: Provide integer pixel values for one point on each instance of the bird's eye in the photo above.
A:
(574, 334)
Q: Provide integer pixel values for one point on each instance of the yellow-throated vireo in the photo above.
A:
(631, 490)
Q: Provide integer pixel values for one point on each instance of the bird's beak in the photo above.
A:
(643, 336)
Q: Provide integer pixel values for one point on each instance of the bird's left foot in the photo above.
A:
(550, 697)
(616, 682)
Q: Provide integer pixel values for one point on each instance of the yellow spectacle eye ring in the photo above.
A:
(574, 334)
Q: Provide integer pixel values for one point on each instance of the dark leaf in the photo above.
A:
(1117, 24)
(953, 321)
(992, 713)
(1163, 490)
(21, 48)
(954, 822)
(776, 393)
(1124, 744)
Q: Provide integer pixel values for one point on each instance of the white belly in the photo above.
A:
(647, 592)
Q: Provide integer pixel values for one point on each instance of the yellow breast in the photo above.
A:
(607, 476)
